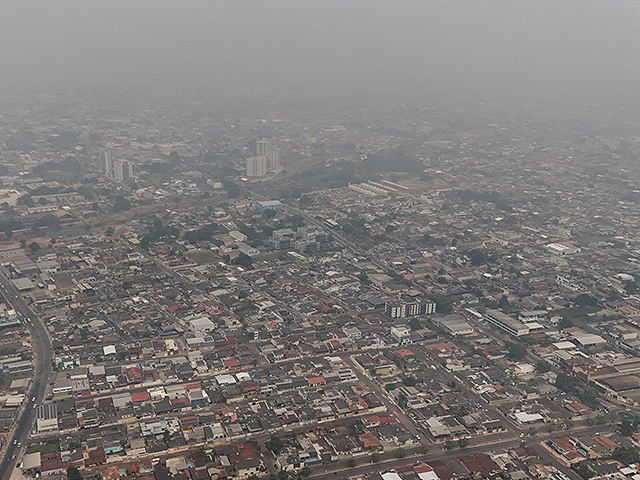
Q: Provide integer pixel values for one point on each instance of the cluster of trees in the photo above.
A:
(443, 304)
(243, 260)
(567, 383)
(204, 233)
(8, 226)
(121, 204)
(477, 257)
(589, 397)
(274, 443)
(451, 444)
(161, 168)
(516, 351)
(543, 366)
(158, 231)
(396, 160)
(69, 164)
(494, 197)
(232, 189)
(73, 473)
(626, 455)
(586, 300)
(629, 425)
(583, 470)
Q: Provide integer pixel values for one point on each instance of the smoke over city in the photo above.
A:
(497, 48)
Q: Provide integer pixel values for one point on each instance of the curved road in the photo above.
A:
(41, 345)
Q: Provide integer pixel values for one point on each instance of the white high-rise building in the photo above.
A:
(265, 149)
(106, 162)
(119, 170)
(123, 170)
(256, 167)
(274, 159)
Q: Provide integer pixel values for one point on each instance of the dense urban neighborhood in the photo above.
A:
(382, 290)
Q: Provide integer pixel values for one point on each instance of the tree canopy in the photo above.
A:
(274, 443)
(477, 257)
(73, 473)
(516, 351)
(566, 383)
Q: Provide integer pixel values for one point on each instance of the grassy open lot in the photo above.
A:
(48, 447)
(202, 257)
(578, 315)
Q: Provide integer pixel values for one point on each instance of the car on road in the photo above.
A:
(15, 442)
(13, 457)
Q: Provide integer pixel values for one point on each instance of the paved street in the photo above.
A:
(479, 445)
(41, 376)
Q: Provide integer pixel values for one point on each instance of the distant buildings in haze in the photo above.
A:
(267, 159)
(119, 170)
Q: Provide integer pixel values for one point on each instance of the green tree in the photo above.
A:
(463, 442)
(400, 453)
(26, 200)
(34, 247)
(109, 231)
(583, 470)
(516, 351)
(503, 302)
(590, 397)
(565, 323)
(626, 455)
(376, 457)
(274, 443)
(422, 449)
(243, 260)
(351, 463)
(233, 190)
(73, 473)
(566, 383)
(450, 445)
(477, 257)
(586, 300)
(204, 233)
(443, 304)
(121, 204)
(626, 427)
(415, 324)
(543, 366)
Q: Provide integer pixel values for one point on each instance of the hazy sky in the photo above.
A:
(318, 47)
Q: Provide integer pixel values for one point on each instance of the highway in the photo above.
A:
(42, 373)
(478, 445)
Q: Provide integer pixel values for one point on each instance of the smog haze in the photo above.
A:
(496, 48)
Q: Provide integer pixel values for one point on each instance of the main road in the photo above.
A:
(340, 469)
(42, 372)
